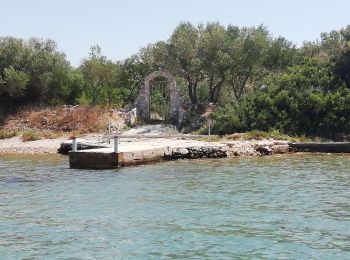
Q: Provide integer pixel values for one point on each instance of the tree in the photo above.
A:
(37, 63)
(248, 48)
(342, 67)
(254, 55)
(214, 55)
(99, 73)
(48, 69)
(132, 74)
(280, 54)
(184, 45)
(14, 82)
(342, 60)
(156, 56)
(312, 73)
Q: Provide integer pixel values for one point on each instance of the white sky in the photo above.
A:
(121, 27)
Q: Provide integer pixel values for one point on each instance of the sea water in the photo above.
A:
(278, 207)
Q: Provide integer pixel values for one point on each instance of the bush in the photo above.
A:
(257, 135)
(307, 112)
(7, 134)
(30, 136)
(227, 120)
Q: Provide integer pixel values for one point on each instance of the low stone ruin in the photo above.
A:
(143, 101)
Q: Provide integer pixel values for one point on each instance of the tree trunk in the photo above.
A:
(192, 92)
(214, 89)
(217, 89)
(211, 89)
(217, 94)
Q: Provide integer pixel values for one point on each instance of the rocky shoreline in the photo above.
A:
(136, 152)
(179, 149)
(230, 149)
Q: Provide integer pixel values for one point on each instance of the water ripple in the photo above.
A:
(279, 207)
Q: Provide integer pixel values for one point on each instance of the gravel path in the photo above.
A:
(43, 146)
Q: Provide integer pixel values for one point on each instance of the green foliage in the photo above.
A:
(183, 51)
(257, 135)
(213, 52)
(160, 101)
(111, 83)
(83, 100)
(274, 134)
(257, 81)
(307, 112)
(214, 56)
(228, 120)
(342, 66)
(32, 71)
(99, 74)
(131, 75)
(14, 82)
(7, 134)
(312, 73)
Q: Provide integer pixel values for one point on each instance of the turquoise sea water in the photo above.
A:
(279, 207)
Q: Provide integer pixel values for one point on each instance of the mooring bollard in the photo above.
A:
(116, 144)
(74, 145)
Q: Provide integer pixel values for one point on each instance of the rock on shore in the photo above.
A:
(229, 149)
(198, 152)
(256, 147)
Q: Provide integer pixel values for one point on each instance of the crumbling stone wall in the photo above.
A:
(143, 101)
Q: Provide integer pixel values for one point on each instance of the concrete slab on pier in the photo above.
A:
(106, 159)
(93, 160)
(141, 152)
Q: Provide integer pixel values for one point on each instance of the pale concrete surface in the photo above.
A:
(148, 144)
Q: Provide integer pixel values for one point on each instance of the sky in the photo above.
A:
(122, 27)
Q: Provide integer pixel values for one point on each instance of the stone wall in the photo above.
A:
(143, 100)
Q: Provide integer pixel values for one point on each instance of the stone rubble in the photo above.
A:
(198, 152)
(257, 147)
(230, 149)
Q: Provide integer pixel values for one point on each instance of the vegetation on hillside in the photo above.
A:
(56, 120)
(255, 80)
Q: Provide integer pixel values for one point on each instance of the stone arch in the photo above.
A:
(143, 100)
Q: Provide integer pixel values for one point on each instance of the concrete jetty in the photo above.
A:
(142, 149)
(135, 150)
(152, 149)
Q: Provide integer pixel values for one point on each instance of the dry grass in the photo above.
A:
(51, 134)
(83, 119)
(210, 138)
(261, 135)
(52, 121)
(30, 136)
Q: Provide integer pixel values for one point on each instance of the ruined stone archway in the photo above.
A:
(143, 101)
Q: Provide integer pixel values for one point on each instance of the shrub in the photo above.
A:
(257, 134)
(7, 134)
(30, 136)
